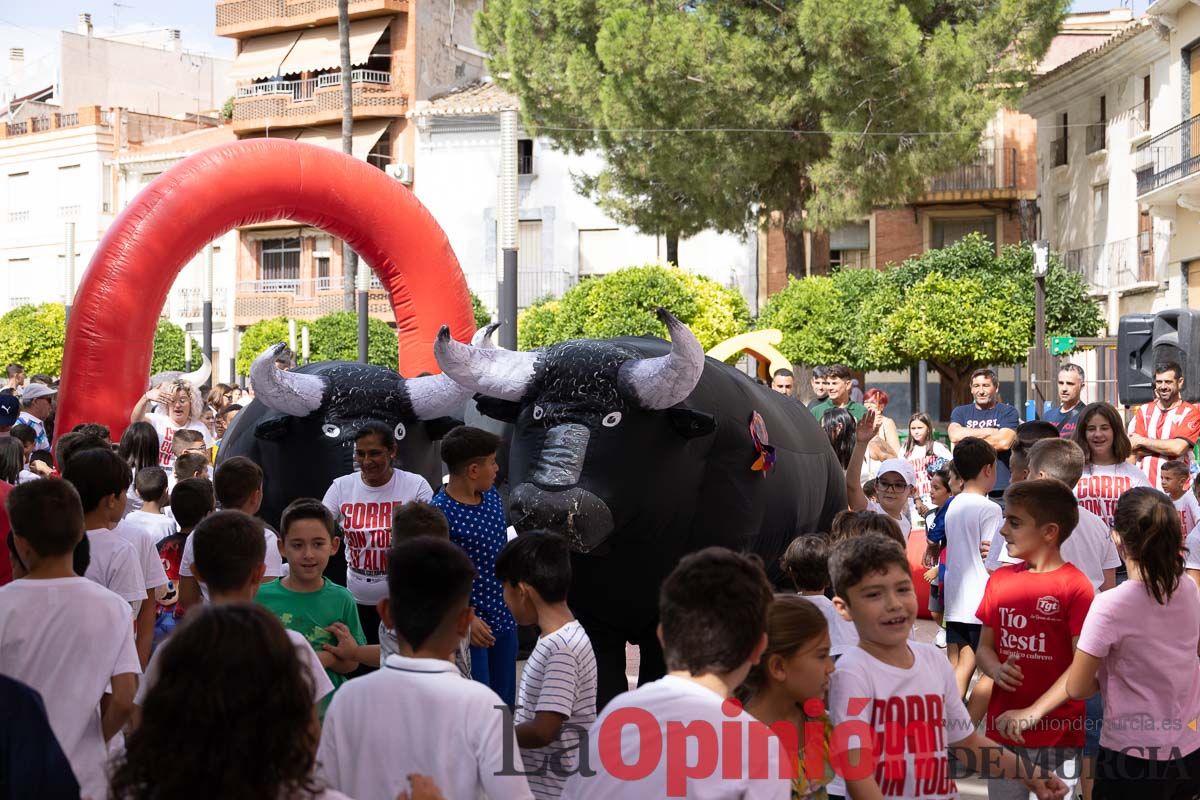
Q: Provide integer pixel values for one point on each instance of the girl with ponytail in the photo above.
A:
(1142, 640)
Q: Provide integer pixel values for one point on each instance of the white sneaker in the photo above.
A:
(940, 639)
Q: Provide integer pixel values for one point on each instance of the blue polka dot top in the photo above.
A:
(481, 530)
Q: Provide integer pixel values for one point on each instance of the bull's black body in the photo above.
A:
(674, 481)
(301, 456)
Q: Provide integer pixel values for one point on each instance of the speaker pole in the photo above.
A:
(1041, 266)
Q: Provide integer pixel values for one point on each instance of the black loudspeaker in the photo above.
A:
(1177, 338)
(1135, 359)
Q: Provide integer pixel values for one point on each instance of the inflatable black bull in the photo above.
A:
(640, 452)
(300, 428)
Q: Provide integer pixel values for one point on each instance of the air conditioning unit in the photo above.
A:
(401, 172)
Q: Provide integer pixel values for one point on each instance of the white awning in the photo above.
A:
(318, 47)
(366, 134)
(262, 56)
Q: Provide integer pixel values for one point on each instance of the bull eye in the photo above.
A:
(401, 431)
(330, 430)
(611, 420)
(538, 412)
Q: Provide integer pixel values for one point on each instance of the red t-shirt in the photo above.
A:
(170, 550)
(1035, 615)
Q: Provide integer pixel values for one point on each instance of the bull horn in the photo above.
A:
(198, 377)
(291, 393)
(483, 336)
(491, 371)
(658, 383)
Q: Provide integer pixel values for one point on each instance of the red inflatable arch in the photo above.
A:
(110, 334)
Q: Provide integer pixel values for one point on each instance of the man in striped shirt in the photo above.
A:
(1166, 429)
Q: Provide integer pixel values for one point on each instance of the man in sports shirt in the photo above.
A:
(1166, 429)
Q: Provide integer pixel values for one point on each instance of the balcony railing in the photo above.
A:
(188, 303)
(1166, 158)
(270, 286)
(1119, 263)
(1059, 151)
(531, 286)
(302, 90)
(990, 169)
(1096, 137)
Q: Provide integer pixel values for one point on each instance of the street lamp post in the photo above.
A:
(1041, 266)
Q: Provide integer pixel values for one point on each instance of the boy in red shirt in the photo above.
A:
(1032, 614)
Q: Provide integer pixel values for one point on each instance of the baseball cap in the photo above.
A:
(35, 390)
(901, 468)
(10, 410)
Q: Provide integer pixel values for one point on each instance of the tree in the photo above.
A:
(710, 113)
(33, 337)
(169, 349)
(257, 338)
(958, 308)
(482, 315)
(623, 303)
(334, 337)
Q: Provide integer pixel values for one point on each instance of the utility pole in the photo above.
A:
(1041, 267)
(364, 293)
(350, 258)
(207, 309)
(69, 277)
(508, 228)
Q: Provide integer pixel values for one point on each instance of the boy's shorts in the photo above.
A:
(963, 634)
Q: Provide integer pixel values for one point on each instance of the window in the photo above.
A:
(106, 189)
(948, 231)
(1062, 213)
(525, 156)
(1060, 143)
(279, 260)
(1145, 103)
(381, 154)
(69, 186)
(850, 245)
(18, 197)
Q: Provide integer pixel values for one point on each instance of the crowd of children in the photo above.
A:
(161, 641)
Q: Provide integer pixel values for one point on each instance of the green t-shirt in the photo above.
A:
(308, 613)
(856, 409)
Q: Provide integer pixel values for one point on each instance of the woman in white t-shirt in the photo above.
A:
(1107, 473)
(183, 406)
(229, 714)
(922, 451)
(363, 502)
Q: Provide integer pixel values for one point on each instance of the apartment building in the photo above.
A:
(289, 85)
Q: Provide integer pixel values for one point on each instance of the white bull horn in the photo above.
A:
(658, 383)
(491, 371)
(291, 393)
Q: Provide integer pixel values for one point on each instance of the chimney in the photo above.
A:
(16, 65)
(84, 26)
(174, 40)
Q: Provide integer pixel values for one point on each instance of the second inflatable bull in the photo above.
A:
(640, 452)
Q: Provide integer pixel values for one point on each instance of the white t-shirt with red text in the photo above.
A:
(1189, 511)
(1181, 421)
(365, 514)
(1102, 486)
(902, 709)
(165, 429)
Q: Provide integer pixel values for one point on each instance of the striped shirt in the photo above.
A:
(1181, 421)
(560, 676)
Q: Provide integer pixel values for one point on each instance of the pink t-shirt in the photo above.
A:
(1149, 674)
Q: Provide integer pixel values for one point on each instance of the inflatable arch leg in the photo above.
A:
(110, 334)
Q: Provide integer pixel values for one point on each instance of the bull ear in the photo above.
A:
(438, 428)
(273, 428)
(499, 410)
(691, 424)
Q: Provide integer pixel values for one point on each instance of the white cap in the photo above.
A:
(899, 466)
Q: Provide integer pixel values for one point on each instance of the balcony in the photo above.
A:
(1096, 138)
(301, 299)
(245, 18)
(1168, 158)
(531, 286)
(992, 174)
(1058, 151)
(188, 304)
(315, 101)
(1116, 264)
